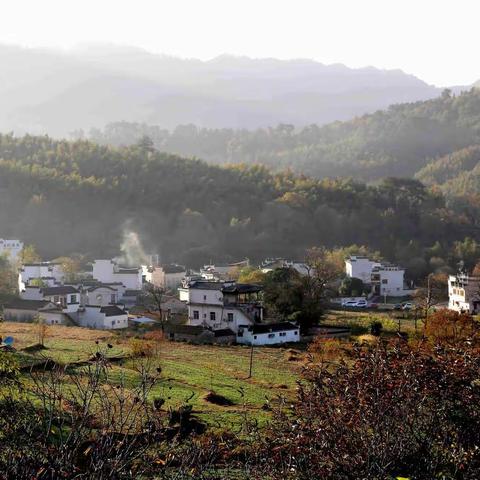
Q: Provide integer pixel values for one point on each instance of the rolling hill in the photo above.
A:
(399, 141)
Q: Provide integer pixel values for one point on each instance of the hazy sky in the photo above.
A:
(437, 40)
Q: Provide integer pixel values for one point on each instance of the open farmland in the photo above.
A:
(189, 372)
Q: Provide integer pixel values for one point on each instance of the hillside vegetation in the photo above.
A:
(399, 141)
(68, 197)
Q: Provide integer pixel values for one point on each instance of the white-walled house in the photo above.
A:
(100, 294)
(108, 272)
(31, 292)
(389, 280)
(20, 310)
(49, 273)
(66, 297)
(219, 305)
(11, 248)
(358, 266)
(384, 278)
(464, 293)
(268, 334)
(169, 277)
(110, 317)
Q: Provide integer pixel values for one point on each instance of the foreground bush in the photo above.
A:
(390, 410)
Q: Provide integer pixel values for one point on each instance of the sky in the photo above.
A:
(436, 40)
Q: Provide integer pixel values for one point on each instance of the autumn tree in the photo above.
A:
(71, 266)
(29, 254)
(432, 291)
(154, 296)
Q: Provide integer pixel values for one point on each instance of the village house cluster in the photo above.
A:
(216, 309)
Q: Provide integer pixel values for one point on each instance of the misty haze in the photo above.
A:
(239, 240)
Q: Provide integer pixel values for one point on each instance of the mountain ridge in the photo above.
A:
(227, 91)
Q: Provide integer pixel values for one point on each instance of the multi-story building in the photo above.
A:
(220, 305)
(109, 272)
(464, 293)
(44, 273)
(384, 278)
(387, 279)
(358, 266)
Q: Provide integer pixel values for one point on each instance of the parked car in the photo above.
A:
(373, 305)
(407, 306)
(355, 304)
(349, 304)
(398, 306)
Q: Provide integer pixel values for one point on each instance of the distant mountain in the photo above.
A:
(47, 91)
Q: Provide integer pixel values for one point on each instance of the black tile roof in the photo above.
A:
(20, 304)
(242, 288)
(62, 290)
(206, 285)
(272, 327)
(112, 311)
(96, 287)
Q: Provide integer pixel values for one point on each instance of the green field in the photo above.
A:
(189, 372)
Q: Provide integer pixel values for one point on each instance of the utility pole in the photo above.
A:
(251, 361)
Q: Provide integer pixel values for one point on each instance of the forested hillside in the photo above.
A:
(458, 174)
(68, 197)
(399, 141)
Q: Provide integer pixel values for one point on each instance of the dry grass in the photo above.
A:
(27, 333)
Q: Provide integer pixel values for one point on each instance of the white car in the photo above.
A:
(408, 306)
(349, 303)
(355, 304)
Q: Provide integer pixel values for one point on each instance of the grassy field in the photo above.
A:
(189, 372)
(360, 321)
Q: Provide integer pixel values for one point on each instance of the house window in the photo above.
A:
(271, 335)
(295, 333)
(212, 316)
(196, 314)
(113, 323)
(113, 298)
(283, 334)
(205, 298)
(254, 337)
(56, 299)
(384, 280)
(73, 299)
(230, 317)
